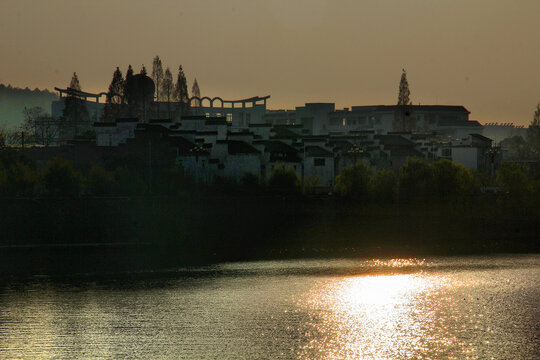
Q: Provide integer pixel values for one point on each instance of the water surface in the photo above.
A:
(434, 308)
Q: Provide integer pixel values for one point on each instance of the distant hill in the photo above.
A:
(13, 100)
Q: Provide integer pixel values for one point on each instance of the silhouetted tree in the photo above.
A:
(181, 92)
(352, 181)
(404, 92)
(75, 112)
(129, 75)
(40, 127)
(115, 96)
(195, 91)
(143, 70)
(74, 83)
(533, 133)
(168, 89)
(157, 76)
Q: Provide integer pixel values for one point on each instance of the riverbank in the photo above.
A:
(113, 234)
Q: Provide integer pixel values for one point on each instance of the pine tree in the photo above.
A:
(74, 84)
(115, 97)
(181, 92)
(157, 76)
(116, 88)
(75, 111)
(168, 88)
(404, 92)
(129, 75)
(143, 70)
(195, 91)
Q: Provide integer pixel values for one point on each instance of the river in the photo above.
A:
(433, 308)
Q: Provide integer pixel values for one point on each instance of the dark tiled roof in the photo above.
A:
(104, 124)
(411, 108)
(216, 121)
(274, 146)
(236, 147)
(449, 122)
(317, 151)
(393, 140)
(284, 133)
(405, 151)
(481, 137)
(127, 120)
(159, 121)
(260, 125)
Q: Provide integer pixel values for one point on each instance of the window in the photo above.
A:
(343, 122)
(229, 118)
(319, 161)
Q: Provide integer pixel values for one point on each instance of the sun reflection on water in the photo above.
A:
(375, 317)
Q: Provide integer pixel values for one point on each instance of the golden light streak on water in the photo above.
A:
(377, 317)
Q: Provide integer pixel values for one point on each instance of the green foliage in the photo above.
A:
(416, 178)
(21, 179)
(353, 181)
(60, 179)
(311, 183)
(383, 186)
(129, 182)
(451, 180)
(514, 180)
(99, 182)
(284, 178)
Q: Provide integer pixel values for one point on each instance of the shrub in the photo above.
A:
(59, 179)
(383, 185)
(99, 181)
(353, 181)
(284, 178)
(416, 178)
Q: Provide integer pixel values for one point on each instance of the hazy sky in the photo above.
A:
(483, 54)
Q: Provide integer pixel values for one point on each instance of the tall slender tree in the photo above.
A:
(143, 70)
(181, 92)
(115, 97)
(74, 83)
(404, 92)
(157, 76)
(75, 112)
(129, 75)
(195, 91)
(116, 88)
(168, 89)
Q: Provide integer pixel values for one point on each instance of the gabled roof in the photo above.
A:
(237, 147)
(275, 146)
(461, 123)
(481, 137)
(317, 151)
(284, 133)
(394, 140)
(458, 108)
